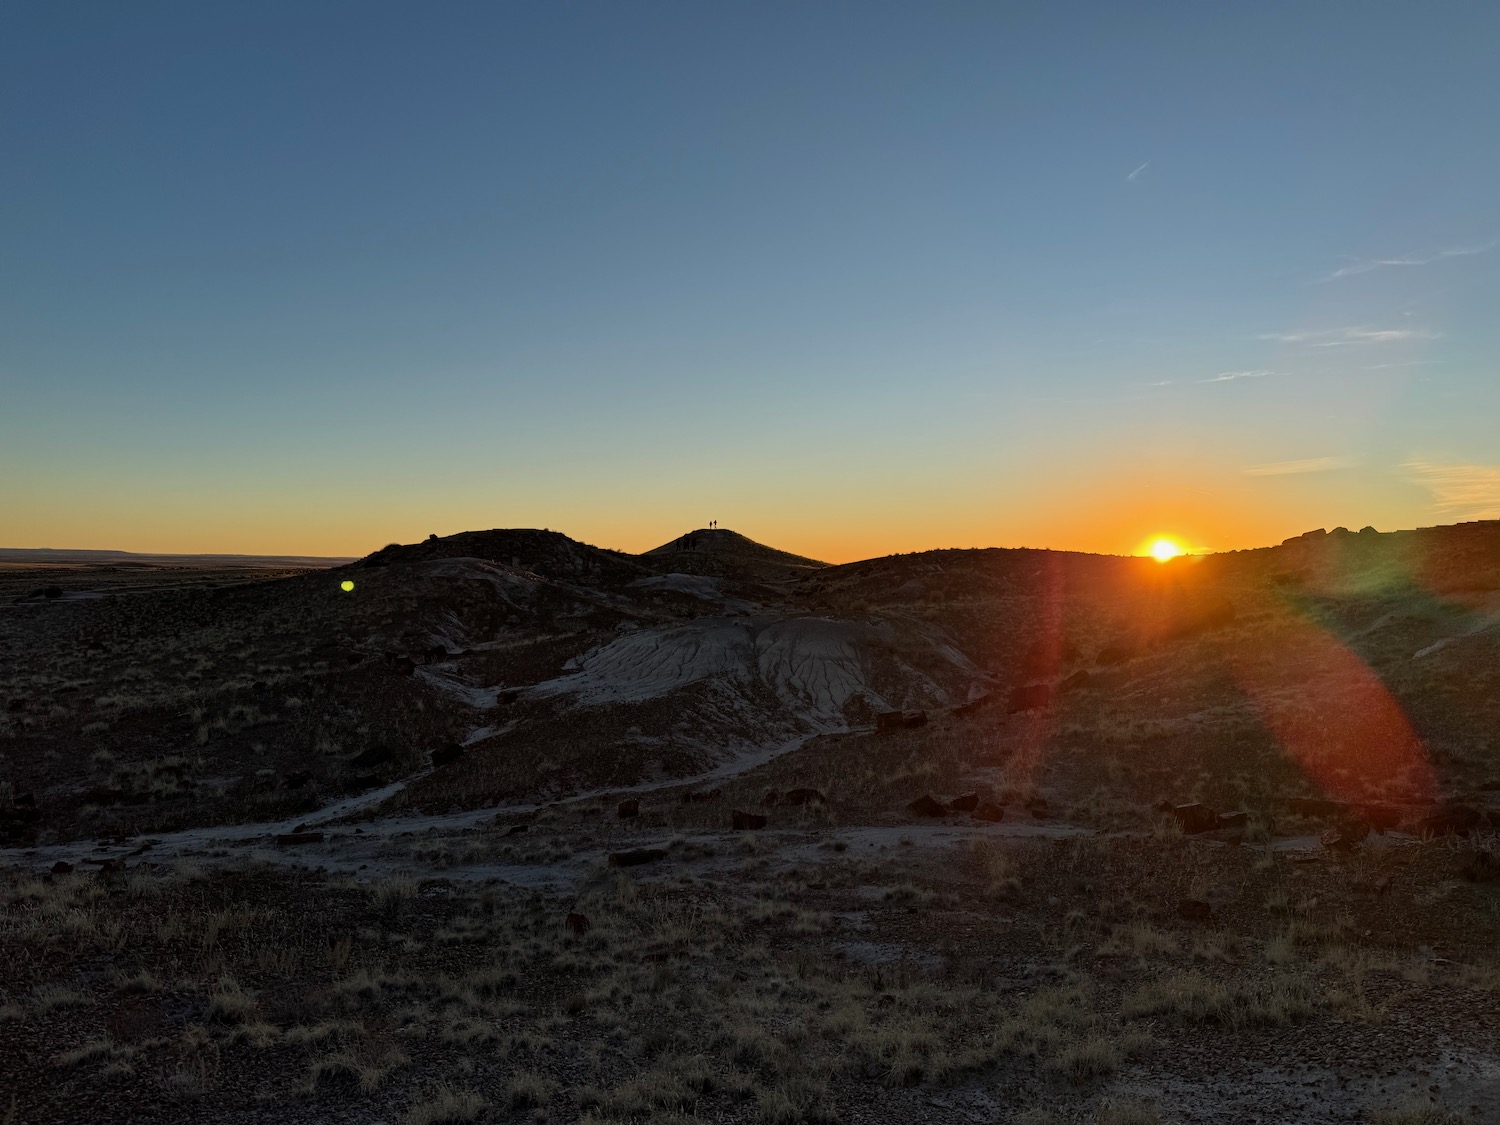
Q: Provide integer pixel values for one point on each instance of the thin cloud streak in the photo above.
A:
(1130, 179)
(1231, 376)
(1459, 491)
(1342, 337)
(1296, 468)
(1368, 265)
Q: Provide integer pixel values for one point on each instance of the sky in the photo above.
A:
(851, 278)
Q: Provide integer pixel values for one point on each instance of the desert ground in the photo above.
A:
(503, 827)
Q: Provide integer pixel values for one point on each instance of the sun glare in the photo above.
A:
(1164, 549)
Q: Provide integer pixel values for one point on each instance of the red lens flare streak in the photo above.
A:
(1333, 715)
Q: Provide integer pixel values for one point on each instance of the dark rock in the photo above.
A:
(506, 696)
(111, 868)
(974, 706)
(636, 857)
(577, 924)
(371, 757)
(16, 705)
(1195, 818)
(402, 665)
(745, 821)
(62, 867)
(447, 755)
(1347, 837)
(966, 803)
(515, 830)
(1377, 886)
(1449, 820)
(796, 797)
(1481, 867)
(1194, 910)
(771, 799)
(1233, 820)
(298, 780)
(1114, 654)
(1037, 806)
(1078, 680)
(1382, 818)
(292, 839)
(52, 592)
(1030, 697)
(24, 801)
(989, 811)
(628, 808)
(927, 806)
(911, 720)
(888, 721)
(1315, 807)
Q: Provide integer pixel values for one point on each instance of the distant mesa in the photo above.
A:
(50, 556)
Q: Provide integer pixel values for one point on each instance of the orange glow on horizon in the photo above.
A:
(1163, 549)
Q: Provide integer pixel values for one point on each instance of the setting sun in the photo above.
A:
(1164, 549)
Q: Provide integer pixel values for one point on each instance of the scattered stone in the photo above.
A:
(989, 811)
(927, 806)
(628, 808)
(1030, 697)
(1077, 681)
(292, 839)
(745, 821)
(577, 924)
(373, 756)
(1194, 818)
(636, 857)
(1347, 837)
(1482, 867)
(966, 803)
(1314, 807)
(973, 707)
(1382, 818)
(888, 721)
(1449, 820)
(447, 755)
(796, 797)
(1194, 910)
(1376, 886)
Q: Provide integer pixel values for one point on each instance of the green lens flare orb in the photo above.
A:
(346, 585)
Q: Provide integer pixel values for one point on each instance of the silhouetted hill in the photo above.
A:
(726, 554)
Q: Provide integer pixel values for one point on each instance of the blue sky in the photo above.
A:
(851, 278)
